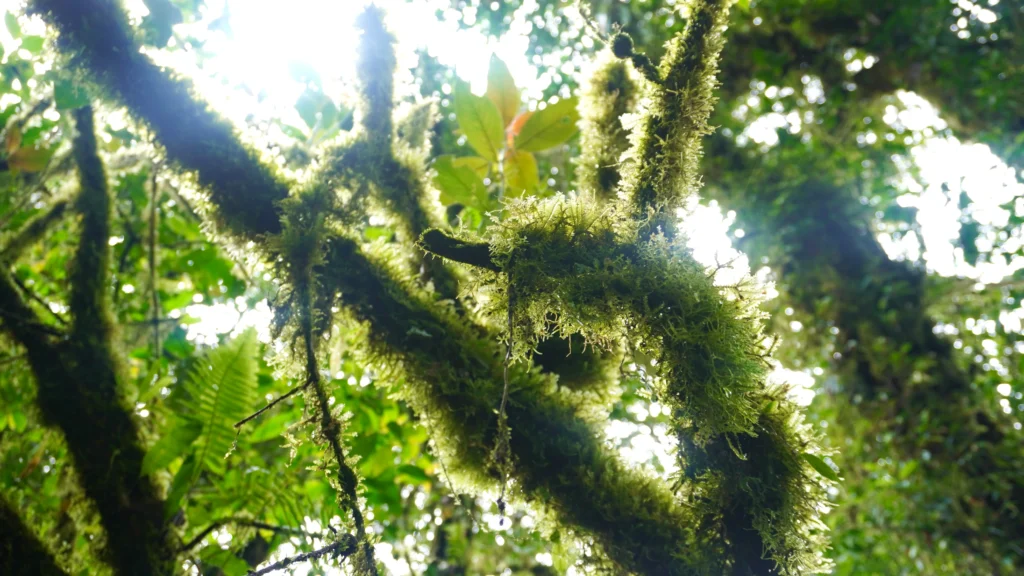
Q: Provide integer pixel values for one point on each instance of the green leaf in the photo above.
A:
(30, 159)
(459, 184)
(549, 127)
(415, 473)
(315, 108)
(271, 428)
(67, 95)
(221, 390)
(12, 25)
(482, 166)
(33, 44)
(821, 467)
(293, 132)
(374, 232)
(480, 121)
(175, 443)
(907, 469)
(501, 90)
(520, 173)
(179, 486)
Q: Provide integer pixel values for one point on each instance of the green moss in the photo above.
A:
(78, 380)
(21, 552)
(415, 125)
(33, 231)
(452, 376)
(571, 268)
(664, 161)
(609, 93)
(393, 172)
(96, 37)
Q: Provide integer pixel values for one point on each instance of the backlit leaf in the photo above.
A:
(549, 127)
(459, 183)
(501, 89)
(480, 121)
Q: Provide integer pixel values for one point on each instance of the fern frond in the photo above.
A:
(221, 389)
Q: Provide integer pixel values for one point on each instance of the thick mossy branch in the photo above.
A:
(96, 37)
(453, 377)
(453, 370)
(33, 231)
(376, 68)
(765, 507)
(90, 270)
(392, 170)
(78, 386)
(572, 273)
(21, 552)
(663, 169)
(890, 357)
(610, 92)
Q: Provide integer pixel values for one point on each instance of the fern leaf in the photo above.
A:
(221, 390)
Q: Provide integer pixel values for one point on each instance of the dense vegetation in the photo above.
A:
(477, 307)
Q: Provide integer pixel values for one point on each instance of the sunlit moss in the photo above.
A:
(609, 93)
(452, 375)
(566, 270)
(663, 169)
(393, 171)
(20, 549)
(96, 37)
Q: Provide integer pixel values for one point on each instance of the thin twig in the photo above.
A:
(272, 403)
(503, 448)
(239, 522)
(155, 296)
(343, 548)
(38, 299)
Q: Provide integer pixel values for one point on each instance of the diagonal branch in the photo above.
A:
(96, 35)
(78, 383)
(21, 552)
(33, 231)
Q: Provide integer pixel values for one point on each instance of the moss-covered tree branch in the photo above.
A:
(452, 376)
(665, 159)
(391, 169)
(78, 383)
(95, 36)
(33, 231)
(610, 92)
(21, 552)
(887, 355)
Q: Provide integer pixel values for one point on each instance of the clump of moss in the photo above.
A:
(664, 160)
(451, 373)
(98, 38)
(609, 93)
(569, 268)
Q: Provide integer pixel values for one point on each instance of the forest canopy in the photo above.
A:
(455, 287)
